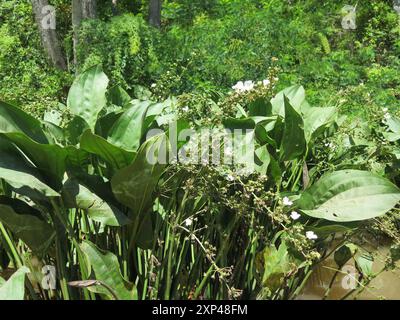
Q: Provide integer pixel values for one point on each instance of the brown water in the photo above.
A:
(385, 286)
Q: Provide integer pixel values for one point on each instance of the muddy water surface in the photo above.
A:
(385, 286)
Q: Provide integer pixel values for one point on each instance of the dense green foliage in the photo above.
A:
(25, 76)
(123, 45)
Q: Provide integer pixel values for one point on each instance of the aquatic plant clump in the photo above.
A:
(240, 196)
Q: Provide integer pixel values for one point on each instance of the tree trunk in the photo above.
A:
(89, 9)
(81, 10)
(155, 13)
(46, 21)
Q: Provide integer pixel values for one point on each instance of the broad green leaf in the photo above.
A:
(275, 171)
(260, 107)
(19, 173)
(273, 265)
(391, 137)
(262, 131)
(115, 156)
(394, 124)
(75, 128)
(48, 159)
(325, 228)
(36, 233)
(154, 111)
(87, 96)
(316, 119)
(129, 128)
(14, 288)
(76, 158)
(262, 160)
(349, 195)
(13, 119)
(105, 123)
(243, 123)
(118, 96)
(76, 195)
(54, 134)
(133, 186)
(364, 263)
(107, 270)
(53, 116)
(293, 143)
(295, 94)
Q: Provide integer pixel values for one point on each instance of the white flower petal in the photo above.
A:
(295, 215)
(311, 235)
(286, 201)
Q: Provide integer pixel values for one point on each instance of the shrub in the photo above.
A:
(123, 45)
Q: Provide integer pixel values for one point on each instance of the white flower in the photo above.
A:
(154, 85)
(295, 215)
(286, 201)
(243, 86)
(238, 87)
(385, 110)
(387, 116)
(185, 109)
(311, 235)
(188, 222)
(230, 177)
(248, 85)
(266, 82)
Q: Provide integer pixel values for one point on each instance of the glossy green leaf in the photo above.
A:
(107, 270)
(316, 119)
(127, 131)
(13, 119)
(393, 124)
(260, 107)
(75, 128)
(349, 195)
(118, 96)
(76, 195)
(36, 233)
(262, 160)
(76, 158)
(87, 96)
(364, 263)
(133, 186)
(49, 159)
(14, 288)
(115, 156)
(19, 173)
(273, 265)
(296, 95)
(53, 116)
(243, 123)
(293, 143)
